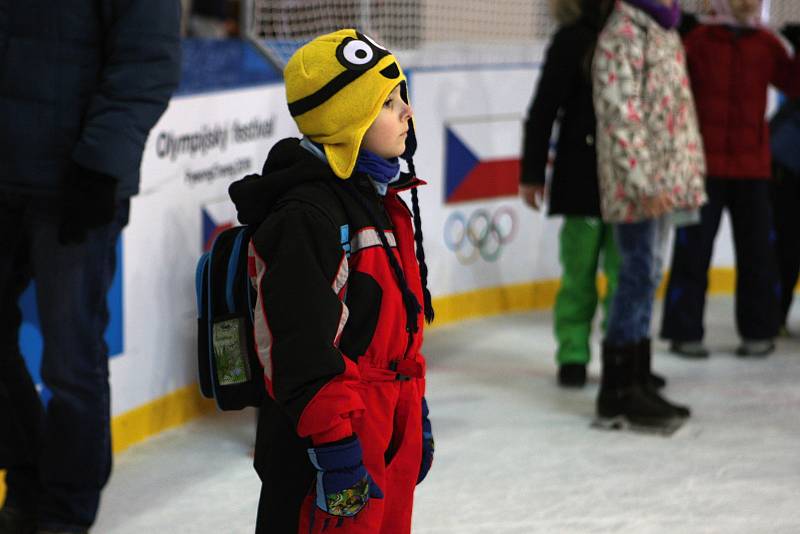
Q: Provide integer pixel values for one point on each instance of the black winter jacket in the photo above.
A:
(321, 314)
(83, 80)
(565, 90)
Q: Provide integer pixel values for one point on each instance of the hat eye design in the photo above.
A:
(360, 53)
(357, 53)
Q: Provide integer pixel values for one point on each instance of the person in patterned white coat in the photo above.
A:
(650, 168)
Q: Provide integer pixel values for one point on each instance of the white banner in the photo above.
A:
(201, 144)
(478, 233)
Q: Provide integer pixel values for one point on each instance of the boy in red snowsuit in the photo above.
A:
(339, 269)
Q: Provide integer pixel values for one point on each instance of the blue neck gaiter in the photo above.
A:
(382, 171)
(667, 17)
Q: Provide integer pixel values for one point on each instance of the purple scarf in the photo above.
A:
(667, 17)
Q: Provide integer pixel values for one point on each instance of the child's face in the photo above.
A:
(387, 135)
(743, 10)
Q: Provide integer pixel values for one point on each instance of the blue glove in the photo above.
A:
(427, 443)
(343, 484)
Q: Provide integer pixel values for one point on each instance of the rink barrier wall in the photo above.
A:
(540, 295)
(185, 404)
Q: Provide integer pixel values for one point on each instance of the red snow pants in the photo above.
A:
(390, 432)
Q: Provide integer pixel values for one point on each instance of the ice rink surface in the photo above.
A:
(515, 454)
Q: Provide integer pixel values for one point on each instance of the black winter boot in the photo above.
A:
(572, 375)
(623, 402)
(644, 376)
(656, 381)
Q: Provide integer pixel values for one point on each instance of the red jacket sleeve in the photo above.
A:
(786, 69)
(300, 273)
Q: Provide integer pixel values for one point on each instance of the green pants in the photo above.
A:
(584, 240)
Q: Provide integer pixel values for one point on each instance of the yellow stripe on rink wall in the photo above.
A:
(156, 416)
(186, 403)
(537, 295)
(169, 411)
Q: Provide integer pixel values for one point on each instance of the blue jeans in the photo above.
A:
(642, 247)
(58, 456)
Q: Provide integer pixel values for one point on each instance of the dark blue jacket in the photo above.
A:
(83, 80)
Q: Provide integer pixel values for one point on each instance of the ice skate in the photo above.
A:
(623, 403)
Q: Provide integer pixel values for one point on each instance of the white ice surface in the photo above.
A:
(515, 454)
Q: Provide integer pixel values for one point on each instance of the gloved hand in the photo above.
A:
(792, 33)
(427, 443)
(343, 483)
(88, 200)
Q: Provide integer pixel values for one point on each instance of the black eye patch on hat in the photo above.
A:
(359, 54)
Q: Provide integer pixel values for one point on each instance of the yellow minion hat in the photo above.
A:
(335, 87)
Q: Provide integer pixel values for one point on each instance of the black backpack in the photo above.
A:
(227, 360)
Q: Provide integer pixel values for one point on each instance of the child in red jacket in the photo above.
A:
(338, 264)
(732, 62)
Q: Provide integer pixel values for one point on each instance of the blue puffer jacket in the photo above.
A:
(83, 80)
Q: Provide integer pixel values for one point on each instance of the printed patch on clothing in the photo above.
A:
(230, 354)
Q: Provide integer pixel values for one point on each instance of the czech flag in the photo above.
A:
(482, 158)
(217, 217)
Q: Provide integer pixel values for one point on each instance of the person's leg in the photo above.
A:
(576, 301)
(611, 263)
(685, 298)
(403, 460)
(786, 201)
(623, 400)
(21, 411)
(282, 464)
(634, 282)
(661, 231)
(757, 281)
(72, 283)
(649, 381)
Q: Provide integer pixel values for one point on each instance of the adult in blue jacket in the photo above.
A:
(82, 82)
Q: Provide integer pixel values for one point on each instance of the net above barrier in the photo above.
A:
(434, 32)
(420, 32)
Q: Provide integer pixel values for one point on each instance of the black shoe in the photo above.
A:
(756, 348)
(572, 375)
(680, 410)
(646, 356)
(689, 349)
(13, 521)
(623, 401)
(656, 381)
(647, 380)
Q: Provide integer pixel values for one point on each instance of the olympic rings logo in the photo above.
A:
(481, 234)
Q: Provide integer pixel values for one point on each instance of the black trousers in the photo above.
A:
(757, 283)
(286, 474)
(58, 456)
(786, 202)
